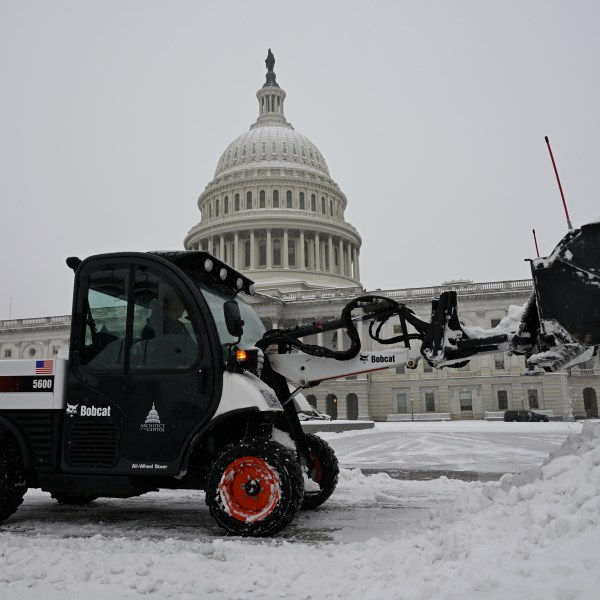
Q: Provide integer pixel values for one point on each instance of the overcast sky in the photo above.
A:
(431, 116)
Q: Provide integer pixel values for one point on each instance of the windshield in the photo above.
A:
(216, 297)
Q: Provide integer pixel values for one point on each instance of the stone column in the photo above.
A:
(286, 262)
(317, 252)
(236, 251)
(301, 251)
(269, 250)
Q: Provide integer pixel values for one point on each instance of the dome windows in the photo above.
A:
(288, 199)
(236, 201)
(277, 252)
(249, 200)
(313, 203)
(253, 149)
(291, 253)
(284, 148)
(275, 199)
(323, 210)
(301, 200)
(262, 199)
(225, 205)
(263, 148)
(244, 151)
(274, 148)
(294, 150)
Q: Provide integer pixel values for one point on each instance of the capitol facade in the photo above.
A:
(273, 211)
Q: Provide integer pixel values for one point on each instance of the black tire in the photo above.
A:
(235, 494)
(322, 469)
(13, 484)
(73, 500)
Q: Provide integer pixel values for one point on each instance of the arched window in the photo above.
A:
(323, 204)
(262, 253)
(276, 252)
(225, 205)
(209, 210)
(274, 148)
(301, 201)
(294, 150)
(331, 207)
(244, 152)
(263, 148)
(237, 202)
(275, 199)
(261, 199)
(253, 149)
(291, 253)
(284, 148)
(217, 207)
(313, 203)
(247, 254)
(288, 199)
(249, 200)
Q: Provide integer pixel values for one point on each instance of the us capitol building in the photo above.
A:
(274, 212)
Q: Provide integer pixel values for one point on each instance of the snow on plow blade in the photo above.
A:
(561, 324)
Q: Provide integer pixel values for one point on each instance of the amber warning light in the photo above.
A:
(243, 360)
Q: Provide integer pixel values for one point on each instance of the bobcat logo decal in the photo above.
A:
(72, 409)
(364, 358)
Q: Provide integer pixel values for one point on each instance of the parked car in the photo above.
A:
(524, 415)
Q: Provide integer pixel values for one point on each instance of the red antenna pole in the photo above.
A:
(536, 246)
(559, 185)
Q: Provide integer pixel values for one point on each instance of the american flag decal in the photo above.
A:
(44, 367)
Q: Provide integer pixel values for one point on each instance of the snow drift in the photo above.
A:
(532, 535)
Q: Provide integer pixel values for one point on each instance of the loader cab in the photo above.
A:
(148, 348)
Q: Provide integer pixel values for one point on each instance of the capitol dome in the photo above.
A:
(272, 209)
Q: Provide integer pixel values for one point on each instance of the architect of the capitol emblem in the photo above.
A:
(273, 211)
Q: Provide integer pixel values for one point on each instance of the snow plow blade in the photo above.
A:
(561, 323)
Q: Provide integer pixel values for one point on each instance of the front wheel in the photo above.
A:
(323, 469)
(13, 484)
(254, 487)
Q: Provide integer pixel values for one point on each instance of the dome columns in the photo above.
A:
(262, 250)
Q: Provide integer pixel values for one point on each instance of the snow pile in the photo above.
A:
(534, 535)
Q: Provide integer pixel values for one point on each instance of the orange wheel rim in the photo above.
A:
(249, 489)
(316, 470)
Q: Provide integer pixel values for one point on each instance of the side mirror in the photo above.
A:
(233, 319)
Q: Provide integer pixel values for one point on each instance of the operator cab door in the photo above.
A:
(142, 376)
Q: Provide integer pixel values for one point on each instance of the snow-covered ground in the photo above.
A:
(533, 535)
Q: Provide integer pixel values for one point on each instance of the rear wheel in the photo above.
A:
(323, 469)
(13, 484)
(70, 499)
(255, 487)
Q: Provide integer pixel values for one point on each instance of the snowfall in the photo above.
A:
(454, 510)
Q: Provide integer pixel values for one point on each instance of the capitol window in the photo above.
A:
(288, 199)
(237, 202)
(262, 253)
(284, 148)
(226, 205)
(274, 148)
(253, 149)
(262, 199)
(275, 199)
(217, 207)
(277, 252)
(294, 150)
(323, 205)
(263, 148)
(244, 152)
(247, 254)
(313, 203)
(301, 200)
(249, 200)
(291, 253)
